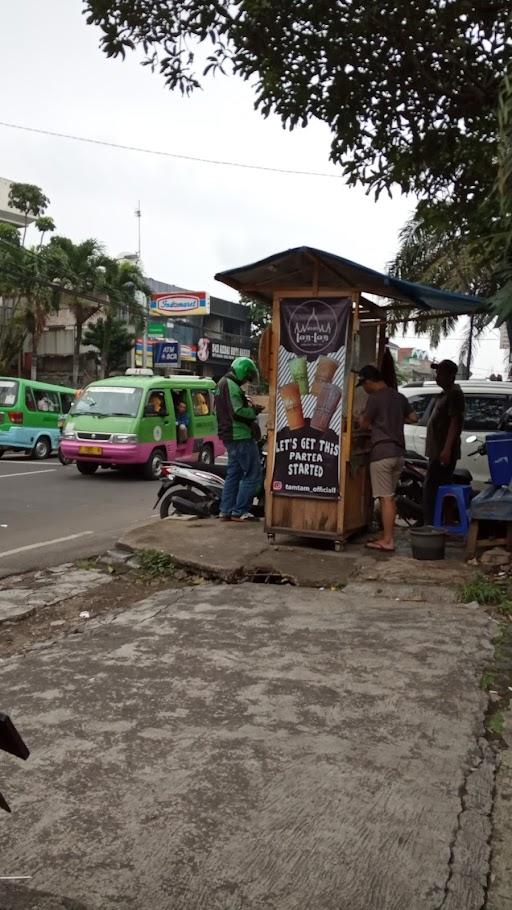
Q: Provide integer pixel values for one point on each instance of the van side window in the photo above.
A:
(29, 400)
(66, 401)
(201, 403)
(47, 401)
(419, 404)
(484, 411)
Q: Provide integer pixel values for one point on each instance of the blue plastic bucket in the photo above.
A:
(499, 455)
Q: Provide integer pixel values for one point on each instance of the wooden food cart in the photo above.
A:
(323, 331)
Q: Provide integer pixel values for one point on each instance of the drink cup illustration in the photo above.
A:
(325, 370)
(299, 373)
(326, 404)
(290, 395)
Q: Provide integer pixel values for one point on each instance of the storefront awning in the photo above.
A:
(305, 266)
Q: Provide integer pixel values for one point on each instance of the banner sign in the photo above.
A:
(157, 329)
(180, 303)
(227, 351)
(166, 353)
(310, 378)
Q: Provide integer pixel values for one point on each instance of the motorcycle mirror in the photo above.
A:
(471, 439)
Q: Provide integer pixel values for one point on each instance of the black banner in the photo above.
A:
(310, 376)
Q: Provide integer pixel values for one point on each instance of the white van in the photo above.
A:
(485, 403)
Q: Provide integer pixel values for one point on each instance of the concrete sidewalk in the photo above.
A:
(232, 552)
(253, 748)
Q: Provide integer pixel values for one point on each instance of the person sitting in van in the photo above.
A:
(200, 405)
(182, 422)
(156, 400)
(43, 403)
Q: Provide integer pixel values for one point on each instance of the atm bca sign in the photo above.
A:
(180, 304)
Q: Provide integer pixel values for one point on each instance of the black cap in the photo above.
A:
(447, 364)
(371, 373)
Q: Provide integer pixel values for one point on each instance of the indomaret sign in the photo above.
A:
(310, 379)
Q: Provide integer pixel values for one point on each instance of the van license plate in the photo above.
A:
(90, 450)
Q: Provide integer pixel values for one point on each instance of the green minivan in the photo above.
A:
(143, 420)
(30, 413)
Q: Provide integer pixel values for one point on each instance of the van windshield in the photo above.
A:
(105, 401)
(8, 392)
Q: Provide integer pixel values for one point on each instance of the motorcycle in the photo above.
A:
(62, 458)
(409, 493)
(11, 741)
(197, 491)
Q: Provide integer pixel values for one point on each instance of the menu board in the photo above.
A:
(310, 377)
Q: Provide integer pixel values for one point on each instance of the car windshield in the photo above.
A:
(106, 401)
(8, 393)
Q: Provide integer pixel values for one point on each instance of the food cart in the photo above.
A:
(323, 330)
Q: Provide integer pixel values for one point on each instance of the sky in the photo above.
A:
(196, 219)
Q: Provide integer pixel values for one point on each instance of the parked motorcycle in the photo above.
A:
(409, 493)
(197, 491)
(11, 741)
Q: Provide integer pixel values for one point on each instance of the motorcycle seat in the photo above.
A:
(219, 470)
(462, 476)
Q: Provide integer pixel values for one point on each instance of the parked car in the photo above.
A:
(485, 404)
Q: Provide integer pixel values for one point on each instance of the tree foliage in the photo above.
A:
(408, 89)
(429, 253)
(112, 339)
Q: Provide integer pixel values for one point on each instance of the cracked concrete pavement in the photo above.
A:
(253, 748)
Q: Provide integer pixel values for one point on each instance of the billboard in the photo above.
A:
(177, 303)
(310, 387)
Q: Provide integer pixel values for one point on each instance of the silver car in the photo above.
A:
(485, 403)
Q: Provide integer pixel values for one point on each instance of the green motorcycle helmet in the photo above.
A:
(245, 369)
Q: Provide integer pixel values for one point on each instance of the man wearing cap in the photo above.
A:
(385, 414)
(443, 435)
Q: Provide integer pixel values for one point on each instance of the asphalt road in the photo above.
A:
(51, 514)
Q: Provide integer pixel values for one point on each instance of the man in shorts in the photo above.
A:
(386, 412)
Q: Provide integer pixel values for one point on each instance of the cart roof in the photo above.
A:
(305, 266)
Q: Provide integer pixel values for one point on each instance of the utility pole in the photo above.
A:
(138, 215)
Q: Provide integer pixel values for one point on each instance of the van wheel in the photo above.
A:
(206, 455)
(152, 470)
(42, 448)
(2, 452)
(87, 467)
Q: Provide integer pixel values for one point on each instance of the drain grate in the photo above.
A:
(265, 577)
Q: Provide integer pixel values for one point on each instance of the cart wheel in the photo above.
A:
(338, 546)
(271, 539)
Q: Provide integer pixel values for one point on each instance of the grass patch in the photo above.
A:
(153, 563)
(488, 681)
(505, 608)
(484, 590)
(496, 723)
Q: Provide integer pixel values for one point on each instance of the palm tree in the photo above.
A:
(79, 272)
(91, 283)
(432, 253)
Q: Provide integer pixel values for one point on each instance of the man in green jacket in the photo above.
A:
(236, 419)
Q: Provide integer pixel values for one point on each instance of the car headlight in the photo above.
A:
(124, 438)
(68, 434)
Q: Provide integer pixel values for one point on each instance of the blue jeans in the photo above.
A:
(243, 477)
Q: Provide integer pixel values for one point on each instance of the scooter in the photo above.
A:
(11, 741)
(62, 458)
(197, 491)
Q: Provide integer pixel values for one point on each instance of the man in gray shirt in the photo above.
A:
(386, 412)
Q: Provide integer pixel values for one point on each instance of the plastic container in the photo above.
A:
(427, 543)
(499, 455)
